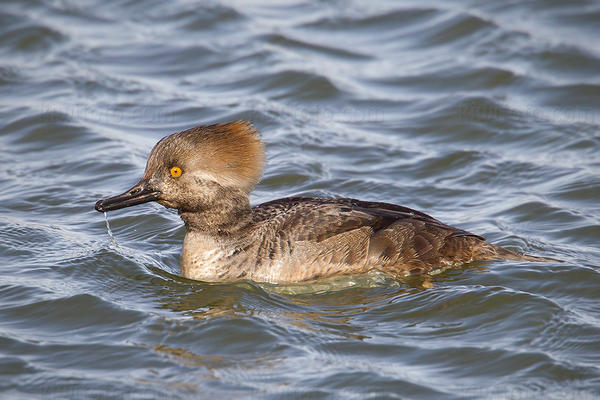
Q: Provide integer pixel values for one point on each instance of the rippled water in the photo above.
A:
(483, 114)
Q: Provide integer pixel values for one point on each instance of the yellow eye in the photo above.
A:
(175, 172)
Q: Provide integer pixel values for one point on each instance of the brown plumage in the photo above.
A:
(287, 240)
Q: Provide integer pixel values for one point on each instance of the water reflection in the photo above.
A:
(331, 307)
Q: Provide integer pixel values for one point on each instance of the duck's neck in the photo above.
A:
(227, 216)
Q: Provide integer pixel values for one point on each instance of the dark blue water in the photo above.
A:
(484, 114)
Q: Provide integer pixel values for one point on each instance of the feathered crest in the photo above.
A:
(231, 154)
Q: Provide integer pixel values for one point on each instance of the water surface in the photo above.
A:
(484, 114)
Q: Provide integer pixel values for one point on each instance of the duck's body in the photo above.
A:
(287, 240)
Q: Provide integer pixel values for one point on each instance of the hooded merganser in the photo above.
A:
(207, 173)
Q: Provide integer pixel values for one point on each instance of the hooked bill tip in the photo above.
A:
(99, 206)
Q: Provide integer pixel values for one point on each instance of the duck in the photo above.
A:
(207, 172)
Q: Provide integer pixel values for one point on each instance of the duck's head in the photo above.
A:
(197, 168)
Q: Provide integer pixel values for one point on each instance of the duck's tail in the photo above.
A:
(489, 251)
